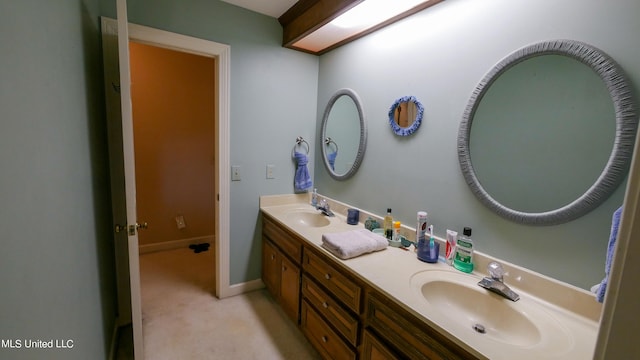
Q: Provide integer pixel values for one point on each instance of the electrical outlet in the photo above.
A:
(235, 173)
(270, 170)
(180, 222)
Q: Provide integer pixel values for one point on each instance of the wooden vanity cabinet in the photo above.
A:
(341, 316)
(331, 308)
(280, 270)
(392, 331)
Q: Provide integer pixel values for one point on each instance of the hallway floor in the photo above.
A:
(183, 320)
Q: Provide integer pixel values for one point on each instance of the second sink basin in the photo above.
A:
(458, 298)
(308, 217)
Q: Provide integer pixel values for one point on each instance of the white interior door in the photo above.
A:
(115, 39)
(129, 177)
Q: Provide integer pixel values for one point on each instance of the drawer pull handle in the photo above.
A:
(325, 305)
(325, 339)
(284, 268)
(327, 276)
(273, 257)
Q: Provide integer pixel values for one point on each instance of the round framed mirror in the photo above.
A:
(553, 130)
(343, 128)
(405, 115)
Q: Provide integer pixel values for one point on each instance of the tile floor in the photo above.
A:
(183, 320)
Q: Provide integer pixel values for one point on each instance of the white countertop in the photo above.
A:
(574, 311)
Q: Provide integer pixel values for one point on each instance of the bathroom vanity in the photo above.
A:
(389, 305)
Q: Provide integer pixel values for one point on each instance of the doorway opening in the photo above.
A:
(174, 148)
(174, 132)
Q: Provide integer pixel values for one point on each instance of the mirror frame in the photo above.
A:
(617, 167)
(363, 134)
(406, 131)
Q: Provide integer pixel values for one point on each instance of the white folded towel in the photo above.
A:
(349, 244)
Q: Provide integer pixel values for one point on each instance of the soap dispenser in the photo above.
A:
(314, 198)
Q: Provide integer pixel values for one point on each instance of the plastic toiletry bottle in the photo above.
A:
(314, 198)
(421, 228)
(463, 259)
(451, 246)
(388, 225)
(396, 231)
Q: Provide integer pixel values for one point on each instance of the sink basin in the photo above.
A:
(457, 298)
(308, 217)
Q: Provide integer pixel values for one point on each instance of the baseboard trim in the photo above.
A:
(238, 289)
(175, 244)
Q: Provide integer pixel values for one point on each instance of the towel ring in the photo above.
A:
(299, 141)
(328, 141)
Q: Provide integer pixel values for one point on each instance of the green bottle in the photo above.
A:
(463, 259)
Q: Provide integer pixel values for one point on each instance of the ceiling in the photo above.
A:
(307, 24)
(273, 8)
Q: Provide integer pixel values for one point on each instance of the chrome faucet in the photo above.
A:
(323, 206)
(495, 282)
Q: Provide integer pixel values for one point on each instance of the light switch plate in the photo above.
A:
(270, 170)
(235, 173)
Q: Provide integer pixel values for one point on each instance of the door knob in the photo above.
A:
(142, 226)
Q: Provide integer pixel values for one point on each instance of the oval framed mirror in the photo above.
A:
(405, 115)
(545, 63)
(344, 128)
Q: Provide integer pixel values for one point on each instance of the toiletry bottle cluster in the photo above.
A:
(459, 249)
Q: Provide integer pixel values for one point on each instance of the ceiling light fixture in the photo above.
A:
(317, 26)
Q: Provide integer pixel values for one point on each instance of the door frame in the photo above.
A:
(222, 55)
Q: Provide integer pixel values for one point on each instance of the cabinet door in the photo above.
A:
(271, 268)
(290, 288)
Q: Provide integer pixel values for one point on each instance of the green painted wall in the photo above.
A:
(273, 101)
(56, 267)
(56, 263)
(439, 55)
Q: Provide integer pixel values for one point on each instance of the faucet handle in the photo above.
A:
(324, 204)
(496, 271)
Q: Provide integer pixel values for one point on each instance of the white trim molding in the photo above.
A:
(222, 54)
(617, 337)
(241, 288)
(175, 244)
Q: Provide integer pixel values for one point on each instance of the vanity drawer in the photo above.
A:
(333, 280)
(325, 340)
(373, 349)
(290, 245)
(412, 339)
(341, 319)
